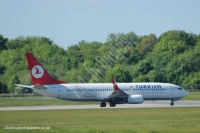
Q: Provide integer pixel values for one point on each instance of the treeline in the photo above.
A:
(173, 57)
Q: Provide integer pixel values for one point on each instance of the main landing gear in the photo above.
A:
(112, 104)
(103, 104)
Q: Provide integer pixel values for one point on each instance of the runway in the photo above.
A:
(146, 104)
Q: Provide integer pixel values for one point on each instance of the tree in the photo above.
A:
(2, 69)
(147, 44)
(112, 37)
(89, 50)
(119, 73)
(74, 55)
(3, 88)
(142, 78)
(155, 76)
(144, 67)
(174, 57)
(3, 42)
(16, 43)
(13, 80)
(179, 35)
(128, 39)
(131, 56)
(195, 81)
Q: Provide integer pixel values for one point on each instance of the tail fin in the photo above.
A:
(38, 73)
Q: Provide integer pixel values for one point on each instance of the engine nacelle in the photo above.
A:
(135, 99)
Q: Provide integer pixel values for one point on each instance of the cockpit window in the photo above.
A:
(179, 88)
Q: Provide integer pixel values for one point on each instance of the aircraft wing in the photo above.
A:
(117, 93)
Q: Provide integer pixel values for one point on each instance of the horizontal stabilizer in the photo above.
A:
(26, 86)
(39, 86)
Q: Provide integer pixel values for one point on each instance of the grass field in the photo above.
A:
(40, 101)
(137, 120)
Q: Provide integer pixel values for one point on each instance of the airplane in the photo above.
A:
(114, 93)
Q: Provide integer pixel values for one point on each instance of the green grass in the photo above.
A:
(138, 120)
(195, 96)
(37, 101)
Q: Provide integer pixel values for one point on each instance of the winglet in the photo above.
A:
(115, 84)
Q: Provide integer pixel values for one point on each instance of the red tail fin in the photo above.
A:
(38, 73)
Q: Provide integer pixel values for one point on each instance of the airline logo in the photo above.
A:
(37, 71)
(148, 86)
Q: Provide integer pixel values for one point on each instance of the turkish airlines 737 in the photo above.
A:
(121, 93)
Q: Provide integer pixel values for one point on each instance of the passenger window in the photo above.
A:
(179, 88)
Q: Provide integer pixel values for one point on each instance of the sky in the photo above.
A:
(67, 22)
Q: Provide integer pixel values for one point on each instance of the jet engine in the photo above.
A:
(135, 99)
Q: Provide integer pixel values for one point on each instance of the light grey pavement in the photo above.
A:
(146, 104)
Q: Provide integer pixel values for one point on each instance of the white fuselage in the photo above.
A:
(100, 91)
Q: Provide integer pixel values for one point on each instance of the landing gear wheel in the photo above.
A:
(112, 104)
(103, 104)
(172, 104)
